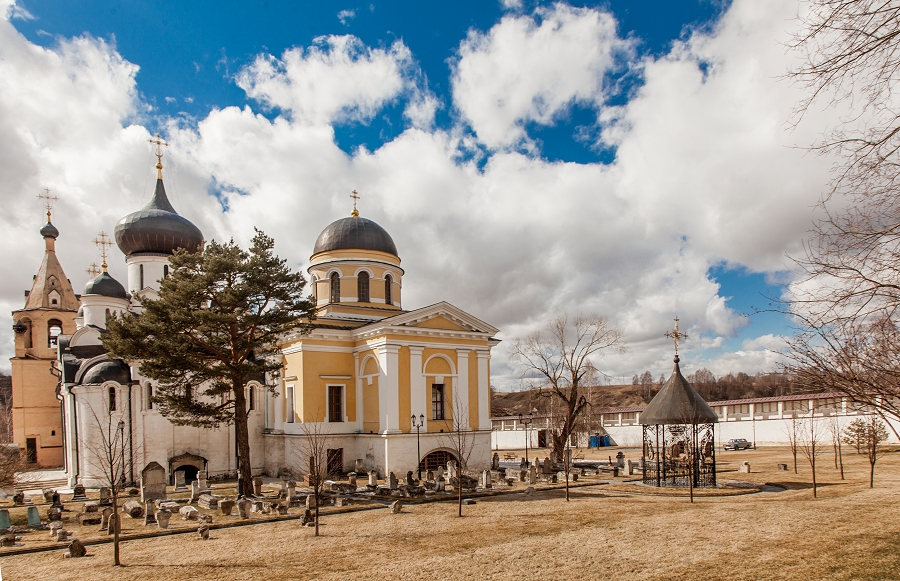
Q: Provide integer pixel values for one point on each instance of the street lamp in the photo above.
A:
(526, 423)
(418, 424)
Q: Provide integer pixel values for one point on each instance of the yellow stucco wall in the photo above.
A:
(474, 411)
(403, 382)
(439, 323)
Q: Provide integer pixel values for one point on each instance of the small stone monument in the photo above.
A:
(179, 481)
(19, 498)
(34, 519)
(55, 501)
(745, 467)
(153, 482)
(195, 490)
(486, 479)
(162, 518)
(226, 506)
(244, 508)
(396, 507)
(115, 523)
(78, 493)
(189, 513)
(257, 486)
(203, 531)
(4, 520)
(104, 521)
(76, 549)
(620, 459)
(392, 482)
(373, 478)
(133, 508)
(149, 516)
(440, 484)
(495, 461)
(547, 465)
(203, 480)
(359, 467)
(105, 496)
(409, 479)
(291, 489)
(351, 479)
(532, 474)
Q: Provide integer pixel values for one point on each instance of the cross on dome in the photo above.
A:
(159, 154)
(93, 270)
(676, 335)
(355, 212)
(48, 201)
(103, 243)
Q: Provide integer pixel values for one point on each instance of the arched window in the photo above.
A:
(362, 287)
(141, 277)
(251, 398)
(26, 323)
(112, 399)
(388, 287)
(335, 288)
(54, 329)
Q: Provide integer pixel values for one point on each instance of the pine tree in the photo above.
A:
(211, 331)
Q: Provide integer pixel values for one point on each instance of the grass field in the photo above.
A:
(604, 532)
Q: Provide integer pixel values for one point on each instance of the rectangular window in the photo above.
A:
(289, 401)
(112, 399)
(149, 396)
(335, 403)
(251, 398)
(437, 401)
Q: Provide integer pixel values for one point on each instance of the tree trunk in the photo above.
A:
(840, 458)
(813, 464)
(242, 438)
(316, 489)
(115, 525)
(459, 490)
(872, 458)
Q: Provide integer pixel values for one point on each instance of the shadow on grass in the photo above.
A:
(804, 485)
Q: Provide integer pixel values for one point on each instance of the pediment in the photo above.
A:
(439, 322)
(443, 316)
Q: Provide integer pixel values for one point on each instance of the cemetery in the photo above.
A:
(511, 511)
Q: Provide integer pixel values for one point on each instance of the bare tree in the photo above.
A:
(313, 460)
(559, 361)
(810, 444)
(461, 441)
(106, 454)
(793, 433)
(835, 428)
(876, 433)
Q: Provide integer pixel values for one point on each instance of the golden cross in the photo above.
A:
(93, 270)
(159, 145)
(48, 201)
(676, 335)
(355, 197)
(103, 243)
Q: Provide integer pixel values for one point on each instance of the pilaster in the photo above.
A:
(389, 389)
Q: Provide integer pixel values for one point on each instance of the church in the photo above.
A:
(386, 385)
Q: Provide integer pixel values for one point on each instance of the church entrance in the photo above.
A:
(189, 464)
(434, 459)
(190, 473)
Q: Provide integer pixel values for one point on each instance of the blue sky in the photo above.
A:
(626, 158)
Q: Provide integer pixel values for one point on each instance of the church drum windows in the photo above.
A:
(112, 399)
(289, 402)
(388, 284)
(362, 287)
(437, 401)
(335, 403)
(335, 287)
(141, 277)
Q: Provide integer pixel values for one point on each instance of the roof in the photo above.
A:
(105, 285)
(49, 231)
(677, 403)
(355, 233)
(157, 228)
(108, 370)
(51, 278)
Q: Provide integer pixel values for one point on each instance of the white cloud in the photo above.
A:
(531, 68)
(15, 11)
(336, 79)
(346, 15)
(703, 175)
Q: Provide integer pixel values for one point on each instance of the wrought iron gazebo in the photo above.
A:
(679, 434)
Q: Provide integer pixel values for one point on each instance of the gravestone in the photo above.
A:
(396, 507)
(202, 478)
(104, 522)
(208, 501)
(441, 484)
(48, 494)
(439, 473)
(529, 491)
(78, 493)
(532, 474)
(195, 490)
(4, 520)
(162, 518)
(179, 481)
(34, 519)
(745, 467)
(495, 461)
(351, 478)
(89, 518)
(451, 469)
(547, 466)
(153, 482)
(55, 501)
(244, 508)
(226, 506)
(19, 498)
(291, 489)
(149, 516)
(392, 482)
(486, 479)
(429, 475)
(523, 463)
(359, 468)
(620, 459)
(257, 486)
(76, 549)
(105, 496)
(782, 467)
(115, 522)
(54, 514)
(409, 479)
(373, 478)
(189, 513)
(133, 508)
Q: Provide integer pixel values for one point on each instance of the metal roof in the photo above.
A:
(105, 285)
(355, 233)
(677, 403)
(157, 228)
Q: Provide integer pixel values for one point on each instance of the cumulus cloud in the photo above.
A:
(704, 172)
(337, 79)
(346, 15)
(531, 68)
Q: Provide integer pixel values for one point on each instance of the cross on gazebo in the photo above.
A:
(103, 243)
(48, 201)
(676, 335)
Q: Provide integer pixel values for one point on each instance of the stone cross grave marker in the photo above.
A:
(373, 478)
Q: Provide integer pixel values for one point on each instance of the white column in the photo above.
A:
(359, 391)
(278, 420)
(484, 391)
(461, 389)
(418, 392)
(389, 389)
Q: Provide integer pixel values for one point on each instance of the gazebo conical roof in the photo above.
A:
(678, 403)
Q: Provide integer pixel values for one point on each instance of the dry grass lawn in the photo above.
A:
(849, 532)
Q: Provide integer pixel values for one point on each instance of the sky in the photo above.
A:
(633, 160)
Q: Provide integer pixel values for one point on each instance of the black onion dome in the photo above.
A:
(157, 228)
(105, 285)
(677, 403)
(49, 231)
(357, 234)
(109, 370)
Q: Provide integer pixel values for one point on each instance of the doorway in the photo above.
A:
(31, 450)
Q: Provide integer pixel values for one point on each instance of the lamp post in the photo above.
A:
(122, 457)
(527, 423)
(418, 424)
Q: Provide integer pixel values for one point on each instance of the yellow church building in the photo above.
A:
(370, 372)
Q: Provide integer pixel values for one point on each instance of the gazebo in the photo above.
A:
(679, 434)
